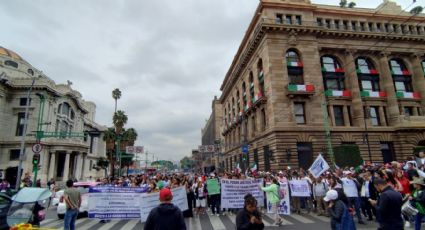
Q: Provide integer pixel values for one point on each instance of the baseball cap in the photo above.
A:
(165, 194)
(331, 195)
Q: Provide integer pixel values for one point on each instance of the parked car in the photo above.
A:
(84, 190)
(5, 202)
(57, 197)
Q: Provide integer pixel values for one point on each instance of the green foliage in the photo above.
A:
(347, 155)
(109, 134)
(351, 5)
(416, 10)
(186, 163)
(116, 94)
(119, 119)
(130, 135)
(102, 163)
(127, 159)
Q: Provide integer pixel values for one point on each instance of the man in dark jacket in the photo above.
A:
(388, 206)
(166, 216)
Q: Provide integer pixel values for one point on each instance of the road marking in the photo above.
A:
(194, 223)
(48, 221)
(322, 218)
(92, 223)
(130, 224)
(216, 223)
(108, 225)
(302, 219)
(233, 219)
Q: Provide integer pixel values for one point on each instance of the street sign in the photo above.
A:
(207, 148)
(134, 149)
(245, 148)
(37, 147)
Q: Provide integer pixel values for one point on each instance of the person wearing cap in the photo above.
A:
(166, 216)
(335, 208)
(388, 207)
(418, 199)
(351, 189)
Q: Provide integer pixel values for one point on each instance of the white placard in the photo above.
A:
(299, 188)
(284, 204)
(233, 192)
(319, 166)
(149, 201)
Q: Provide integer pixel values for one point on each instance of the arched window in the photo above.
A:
(294, 67)
(238, 102)
(260, 77)
(11, 63)
(233, 109)
(367, 74)
(244, 95)
(31, 72)
(333, 74)
(401, 76)
(65, 119)
(251, 86)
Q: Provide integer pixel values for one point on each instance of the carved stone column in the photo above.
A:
(418, 80)
(388, 86)
(66, 166)
(52, 166)
(353, 85)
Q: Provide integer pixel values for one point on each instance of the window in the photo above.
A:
(20, 125)
(31, 72)
(299, 113)
(14, 154)
(279, 18)
(379, 27)
(387, 150)
(305, 154)
(251, 85)
(333, 74)
(288, 19)
(374, 115)
(253, 126)
(11, 63)
(245, 100)
(328, 23)
(238, 102)
(298, 20)
(263, 120)
(362, 26)
(330, 64)
(354, 26)
(261, 76)
(401, 76)
(319, 22)
(423, 66)
(339, 115)
(408, 111)
(345, 25)
(23, 101)
(370, 24)
(337, 24)
(294, 67)
(366, 73)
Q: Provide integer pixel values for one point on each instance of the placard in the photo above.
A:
(299, 188)
(233, 192)
(318, 167)
(213, 187)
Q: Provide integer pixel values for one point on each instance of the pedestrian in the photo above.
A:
(418, 199)
(166, 216)
(272, 192)
(351, 189)
(200, 197)
(338, 211)
(319, 191)
(214, 199)
(72, 199)
(388, 207)
(249, 218)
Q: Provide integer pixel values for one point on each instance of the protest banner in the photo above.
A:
(114, 203)
(284, 204)
(299, 188)
(149, 201)
(233, 192)
(213, 187)
(319, 166)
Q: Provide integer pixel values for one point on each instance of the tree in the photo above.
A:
(131, 136)
(102, 163)
(343, 3)
(119, 119)
(116, 94)
(351, 5)
(416, 10)
(109, 136)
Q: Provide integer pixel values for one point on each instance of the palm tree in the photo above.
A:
(119, 120)
(116, 94)
(131, 136)
(109, 136)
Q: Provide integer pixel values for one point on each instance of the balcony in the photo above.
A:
(410, 122)
(408, 95)
(300, 90)
(373, 94)
(338, 93)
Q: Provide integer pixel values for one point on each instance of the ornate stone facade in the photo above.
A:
(63, 111)
(300, 62)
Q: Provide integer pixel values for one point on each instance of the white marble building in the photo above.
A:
(64, 110)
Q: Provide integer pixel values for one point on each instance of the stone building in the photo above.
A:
(63, 115)
(308, 77)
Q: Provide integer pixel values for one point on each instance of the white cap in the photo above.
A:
(280, 172)
(331, 195)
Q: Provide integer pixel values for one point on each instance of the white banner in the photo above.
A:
(233, 192)
(319, 166)
(114, 203)
(284, 204)
(299, 188)
(149, 201)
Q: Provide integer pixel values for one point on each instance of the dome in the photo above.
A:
(10, 54)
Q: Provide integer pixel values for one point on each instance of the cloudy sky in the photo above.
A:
(168, 57)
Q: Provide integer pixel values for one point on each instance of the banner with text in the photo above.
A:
(233, 192)
(149, 201)
(114, 203)
(299, 188)
(284, 204)
(319, 166)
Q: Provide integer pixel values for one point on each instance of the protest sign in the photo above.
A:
(151, 200)
(233, 192)
(284, 204)
(213, 187)
(319, 166)
(299, 188)
(114, 203)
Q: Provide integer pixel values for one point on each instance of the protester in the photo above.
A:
(166, 216)
(214, 200)
(249, 218)
(388, 207)
(335, 208)
(418, 199)
(200, 197)
(350, 186)
(319, 191)
(273, 196)
(367, 192)
(72, 199)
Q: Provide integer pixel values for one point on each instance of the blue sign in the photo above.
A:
(245, 148)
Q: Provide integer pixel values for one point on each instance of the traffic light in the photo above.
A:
(36, 159)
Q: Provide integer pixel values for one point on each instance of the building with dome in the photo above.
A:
(308, 78)
(59, 112)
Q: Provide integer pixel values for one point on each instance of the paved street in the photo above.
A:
(204, 222)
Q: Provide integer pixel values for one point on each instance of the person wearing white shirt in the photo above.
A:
(350, 186)
(319, 191)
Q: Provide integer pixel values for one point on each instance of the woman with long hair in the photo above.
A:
(249, 218)
(272, 192)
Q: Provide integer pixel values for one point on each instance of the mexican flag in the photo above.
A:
(238, 169)
(254, 168)
(367, 71)
(295, 64)
(373, 94)
(332, 69)
(414, 95)
(306, 88)
(400, 72)
(338, 93)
